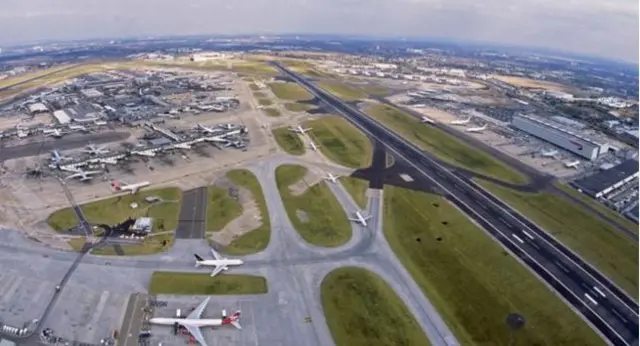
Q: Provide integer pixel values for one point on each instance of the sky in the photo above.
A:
(605, 28)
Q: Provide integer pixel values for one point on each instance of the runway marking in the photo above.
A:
(518, 238)
(615, 312)
(595, 288)
(561, 266)
(527, 234)
(591, 299)
(536, 246)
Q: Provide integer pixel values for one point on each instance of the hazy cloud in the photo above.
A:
(606, 28)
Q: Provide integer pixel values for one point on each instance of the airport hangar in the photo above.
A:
(584, 147)
(602, 183)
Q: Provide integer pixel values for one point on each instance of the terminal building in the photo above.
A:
(568, 140)
(605, 182)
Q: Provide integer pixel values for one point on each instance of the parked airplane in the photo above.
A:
(477, 129)
(77, 128)
(83, 175)
(460, 122)
(427, 120)
(181, 146)
(56, 157)
(219, 262)
(313, 146)
(53, 133)
(194, 321)
(117, 187)
(299, 129)
(208, 130)
(332, 178)
(550, 153)
(92, 150)
(572, 164)
(360, 219)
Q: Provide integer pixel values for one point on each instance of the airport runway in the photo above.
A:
(72, 141)
(192, 221)
(608, 309)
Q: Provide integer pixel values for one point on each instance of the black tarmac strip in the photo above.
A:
(72, 141)
(193, 214)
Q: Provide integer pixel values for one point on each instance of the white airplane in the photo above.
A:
(53, 133)
(77, 128)
(91, 149)
(550, 153)
(460, 122)
(299, 129)
(194, 322)
(119, 186)
(427, 120)
(83, 175)
(313, 146)
(208, 130)
(219, 262)
(572, 164)
(332, 178)
(182, 146)
(477, 129)
(360, 219)
(57, 157)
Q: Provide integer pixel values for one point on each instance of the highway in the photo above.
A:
(606, 307)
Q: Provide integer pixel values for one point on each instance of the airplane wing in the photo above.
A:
(195, 331)
(134, 189)
(216, 255)
(197, 312)
(217, 270)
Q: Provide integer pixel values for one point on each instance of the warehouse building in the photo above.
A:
(568, 140)
(605, 182)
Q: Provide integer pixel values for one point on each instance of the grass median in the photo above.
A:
(341, 142)
(363, 310)
(272, 112)
(258, 239)
(444, 146)
(357, 188)
(316, 213)
(342, 90)
(289, 141)
(203, 284)
(221, 208)
(472, 281)
(604, 247)
(297, 107)
(288, 91)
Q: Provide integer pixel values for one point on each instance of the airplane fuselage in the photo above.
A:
(222, 262)
(213, 322)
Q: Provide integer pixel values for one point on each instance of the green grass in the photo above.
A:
(151, 245)
(341, 142)
(272, 112)
(357, 188)
(472, 281)
(258, 239)
(289, 91)
(375, 90)
(265, 102)
(343, 91)
(203, 284)
(444, 146)
(612, 252)
(613, 215)
(289, 141)
(324, 220)
(116, 209)
(259, 95)
(297, 107)
(221, 208)
(361, 309)
(254, 87)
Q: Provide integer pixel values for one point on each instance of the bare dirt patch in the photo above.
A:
(249, 220)
(309, 179)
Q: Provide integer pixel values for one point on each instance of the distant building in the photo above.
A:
(36, 108)
(61, 117)
(563, 138)
(604, 182)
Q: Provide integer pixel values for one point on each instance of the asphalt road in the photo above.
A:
(193, 214)
(607, 308)
(72, 141)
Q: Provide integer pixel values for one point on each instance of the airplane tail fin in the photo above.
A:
(198, 260)
(233, 320)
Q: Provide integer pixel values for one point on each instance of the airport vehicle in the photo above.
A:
(119, 186)
(360, 219)
(219, 262)
(427, 120)
(193, 322)
(572, 164)
(460, 122)
(313, 146)
(83, 175)
(56, 157)
(332, 178)
(477, 129)
(299, 129)
(53, 133)
(92, 149)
